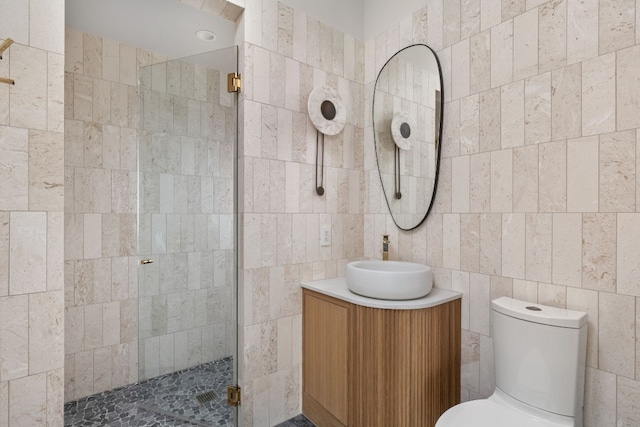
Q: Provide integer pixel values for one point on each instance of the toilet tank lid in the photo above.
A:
(539, 313)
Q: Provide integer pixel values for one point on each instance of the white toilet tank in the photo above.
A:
(540, 354)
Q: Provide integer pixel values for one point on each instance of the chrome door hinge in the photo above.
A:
(234, 395)
(234, 82)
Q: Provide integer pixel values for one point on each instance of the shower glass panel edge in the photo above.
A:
(187, 226)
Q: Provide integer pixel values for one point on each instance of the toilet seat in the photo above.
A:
(495, 412)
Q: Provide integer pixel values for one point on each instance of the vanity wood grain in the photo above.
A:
(369, 367)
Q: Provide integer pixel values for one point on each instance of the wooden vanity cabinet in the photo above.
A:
(369, 367)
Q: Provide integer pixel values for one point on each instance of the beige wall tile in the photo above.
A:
(566, 103)
(490, 127)
(537, 109)
(582, 40)
(512, 115)
(587, 301)
(28, 100)
(470, 369)
(28, 247)
(14, 150)
(628, 231)
(513, 245)
(28, 401)
(525, 179)
(451, 241)
(46, 168)
(616, 25)
(490, 13)
(460, 78)
(470, 242)
(4, 404)
(15, 21)
(470, 18)
(14, 338)
(553, 177)
(525, 290)
(511, 8)
(46, 331)
(480, 299)
(627, 87)
(55, 93)
(460, 184)
(502, 54)
(553, 35)
(598, 83)
(480, 58)
(525, 44)
(434, 237)
(599, 252)
(460, 283)
(599, 398)
(73, 56)
(480, 186)
(451, 22)
(490, 244)
(487, 371)
(469, 125)
(582, 174)
(567, 249)
(4, 254)
(616, 336)
(617, 172)
(552, 295)
(92, 55)
(502, 181)
(628, 393)
(538, 247)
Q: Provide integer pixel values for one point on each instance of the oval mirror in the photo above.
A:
(407, 126)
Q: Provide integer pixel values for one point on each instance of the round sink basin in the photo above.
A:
(391, 280)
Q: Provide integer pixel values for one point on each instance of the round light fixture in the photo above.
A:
(205, 35)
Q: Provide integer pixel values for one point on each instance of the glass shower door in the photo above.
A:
(187, 237)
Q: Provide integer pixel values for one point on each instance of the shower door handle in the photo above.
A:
(146, 261)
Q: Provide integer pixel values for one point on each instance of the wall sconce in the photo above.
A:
(329, 115)
(403, 132)
(4, 46)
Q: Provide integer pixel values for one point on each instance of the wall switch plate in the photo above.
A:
(325, 236)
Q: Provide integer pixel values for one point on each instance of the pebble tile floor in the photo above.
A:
(168, 400)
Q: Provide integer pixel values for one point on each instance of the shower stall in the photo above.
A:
(151, 319)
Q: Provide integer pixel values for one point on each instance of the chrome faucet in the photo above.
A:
(385, 247)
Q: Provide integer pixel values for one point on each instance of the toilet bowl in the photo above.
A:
(540, 355)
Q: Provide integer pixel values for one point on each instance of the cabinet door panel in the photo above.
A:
(325, 367)
(381, 372)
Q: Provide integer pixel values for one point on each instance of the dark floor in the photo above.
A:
(299, 421)
(169, 400)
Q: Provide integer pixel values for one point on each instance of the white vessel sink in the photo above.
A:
(390, 280)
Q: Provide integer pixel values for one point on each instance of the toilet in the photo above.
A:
(540, 357)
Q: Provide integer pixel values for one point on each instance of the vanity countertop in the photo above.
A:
(337, 288)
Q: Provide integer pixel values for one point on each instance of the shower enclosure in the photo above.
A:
(187, 235)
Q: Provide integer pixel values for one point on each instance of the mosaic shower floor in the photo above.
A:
(168, 400)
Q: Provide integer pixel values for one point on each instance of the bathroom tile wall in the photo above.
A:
(31, 214)
(541, 109)
(286, 55)
(101, 305)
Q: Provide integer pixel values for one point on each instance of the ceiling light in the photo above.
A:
(205, 35)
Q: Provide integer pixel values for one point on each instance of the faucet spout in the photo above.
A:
(385, 247)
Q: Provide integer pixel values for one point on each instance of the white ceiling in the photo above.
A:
(168, 26)
(163, 26)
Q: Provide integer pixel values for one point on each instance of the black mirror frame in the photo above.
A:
(439, 142)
